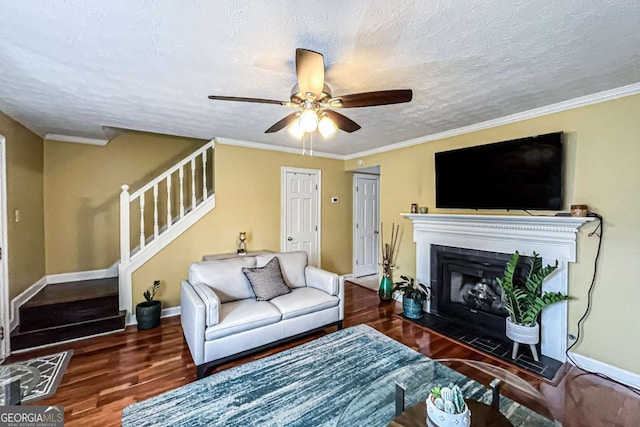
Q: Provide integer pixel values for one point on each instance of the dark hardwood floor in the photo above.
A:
(110, 372)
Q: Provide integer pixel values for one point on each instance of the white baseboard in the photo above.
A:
(625, 377)
(21, 299)
(83, 275)
(166, 312)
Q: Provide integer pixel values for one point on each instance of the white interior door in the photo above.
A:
(301, 212)
(365, 215)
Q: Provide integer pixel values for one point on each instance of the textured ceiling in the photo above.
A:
(72, 67)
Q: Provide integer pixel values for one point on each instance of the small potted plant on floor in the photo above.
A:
(446, 407)
(148, 312)
(413, 296)
(524, 300)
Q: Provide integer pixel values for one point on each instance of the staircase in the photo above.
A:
(66, 311)
(163, 209)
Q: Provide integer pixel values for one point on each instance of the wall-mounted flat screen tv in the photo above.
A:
(518, 174)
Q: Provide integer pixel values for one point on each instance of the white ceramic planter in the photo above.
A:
(523, 334)
(439, 418)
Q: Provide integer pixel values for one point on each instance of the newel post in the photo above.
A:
(125, 244)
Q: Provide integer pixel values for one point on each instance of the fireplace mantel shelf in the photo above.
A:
(529, 222)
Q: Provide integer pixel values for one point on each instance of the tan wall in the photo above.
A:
(82, 190)
(602, 155)
(247, 185)
(24, 193)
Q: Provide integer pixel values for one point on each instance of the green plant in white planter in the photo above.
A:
(446, 407)
(524, 300)
(148, 312)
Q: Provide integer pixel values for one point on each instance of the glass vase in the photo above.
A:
(384, 291)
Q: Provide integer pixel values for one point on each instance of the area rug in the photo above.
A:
(40, 376)
(308, 385)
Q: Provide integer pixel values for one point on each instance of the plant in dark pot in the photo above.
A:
(524, 300)
(413, 296)
(148, 312)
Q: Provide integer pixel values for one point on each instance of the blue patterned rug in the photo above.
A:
(308, 385)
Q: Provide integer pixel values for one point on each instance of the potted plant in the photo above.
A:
(148, 311)
(446, 407)
(413, 296)
(524, 300)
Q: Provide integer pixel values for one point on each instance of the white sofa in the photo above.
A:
(222, 320)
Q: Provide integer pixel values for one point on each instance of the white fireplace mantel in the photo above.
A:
(554, 238)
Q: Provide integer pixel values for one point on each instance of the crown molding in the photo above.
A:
(595, 98)
(76, 139)
(270, 147)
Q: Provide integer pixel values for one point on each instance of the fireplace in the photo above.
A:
(475, 249)
(464, 287)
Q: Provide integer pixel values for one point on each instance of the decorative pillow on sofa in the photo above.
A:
(267, 282)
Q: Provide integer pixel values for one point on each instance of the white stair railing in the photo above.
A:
(199, 185)
(156, 214)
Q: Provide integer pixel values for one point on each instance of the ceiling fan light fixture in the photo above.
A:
(326, 127)
(295, 130)
(308, 120)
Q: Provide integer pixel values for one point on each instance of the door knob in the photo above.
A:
(289, 238)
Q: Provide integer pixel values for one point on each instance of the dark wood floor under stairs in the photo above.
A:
(65, 311)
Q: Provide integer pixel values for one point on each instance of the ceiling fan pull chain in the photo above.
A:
(311, 148)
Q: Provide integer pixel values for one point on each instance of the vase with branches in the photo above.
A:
(388, 261)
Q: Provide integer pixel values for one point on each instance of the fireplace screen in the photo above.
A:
(478, 293)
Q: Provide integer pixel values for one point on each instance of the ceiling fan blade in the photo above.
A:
(310, 72)
(342, 122)
(240, 99)
(371, 99)
(283, 123)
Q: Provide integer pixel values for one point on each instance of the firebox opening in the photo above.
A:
(464, 287)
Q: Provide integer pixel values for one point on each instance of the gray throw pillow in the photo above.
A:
(267, 282)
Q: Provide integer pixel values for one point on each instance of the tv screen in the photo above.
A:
(519, 174)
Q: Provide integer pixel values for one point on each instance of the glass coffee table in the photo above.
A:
(383, 402)
(16, 381)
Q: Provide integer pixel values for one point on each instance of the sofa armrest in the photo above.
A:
(211, 303)
(322, 279)
(192, 318)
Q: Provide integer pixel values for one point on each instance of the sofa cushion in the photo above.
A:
(292, 265)
(225, 277)
(240, 316)
(267, 281)
(302, 301)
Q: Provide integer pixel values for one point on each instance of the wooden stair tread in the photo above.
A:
(50, 335)
(74, 291)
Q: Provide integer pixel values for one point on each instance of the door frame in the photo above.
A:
(5, 347)
(283, 206)
(355, 218)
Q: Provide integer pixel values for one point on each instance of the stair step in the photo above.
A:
(26, 339)
(70, 303)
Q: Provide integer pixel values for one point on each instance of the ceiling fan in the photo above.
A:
(314, 102)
